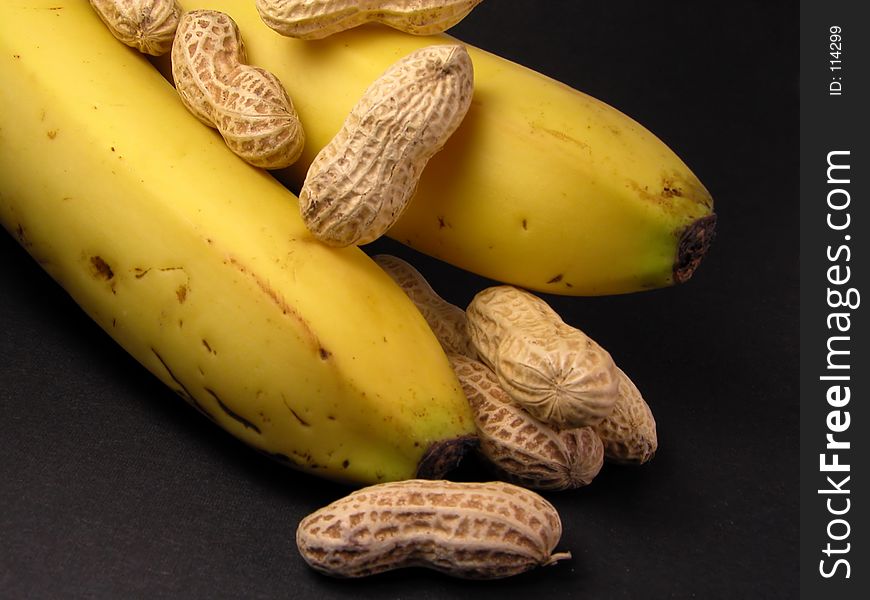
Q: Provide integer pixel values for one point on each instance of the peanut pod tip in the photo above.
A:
(146, 25)
(556, 372)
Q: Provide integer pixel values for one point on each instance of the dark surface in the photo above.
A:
(110, 486)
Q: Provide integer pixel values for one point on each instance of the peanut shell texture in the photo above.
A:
(629, 432)
(360, 183)
(556, 372)
(317, 19)
(146, 25)
(246, 104)
(471, 530)
(522, 449)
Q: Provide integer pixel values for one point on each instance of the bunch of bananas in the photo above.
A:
(200, 266)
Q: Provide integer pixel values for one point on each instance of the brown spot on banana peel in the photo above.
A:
(695, 241)
(101, 268)
(299, 460)
(232, 414)
(281, 458)
(564, 137)
(21, 236)
(672, 189)
(272, 294)
(295, 414)
(181, 390)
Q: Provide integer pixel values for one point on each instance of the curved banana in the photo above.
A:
(201, 268)
(541, 186)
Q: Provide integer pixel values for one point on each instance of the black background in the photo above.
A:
(110, 486)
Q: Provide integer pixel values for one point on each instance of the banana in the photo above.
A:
(201, 268)
(541, 187)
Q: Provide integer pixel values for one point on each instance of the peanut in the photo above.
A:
(446, 320)
(629, 432)
(316, 19)
(246, 104)
(360, 183)
(470, 530)
(554, 371)
(147, 25)
(524, 450)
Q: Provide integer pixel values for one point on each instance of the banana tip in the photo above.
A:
(695, 240)
(443, 456)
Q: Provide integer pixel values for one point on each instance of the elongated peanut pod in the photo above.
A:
(629, 432)
(147, 25)
(555, 371)
(446, 320)
(524, 450)
(246, 104)
(317, 19)
(471, 530)
(360, 183)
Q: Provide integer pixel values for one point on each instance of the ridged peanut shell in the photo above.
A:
(147, 25)
(524, 450)
(317, 19)
(470, 530)
(246, 104)
(446, 320)
(360, 183)
(629, 432)
(554, 371)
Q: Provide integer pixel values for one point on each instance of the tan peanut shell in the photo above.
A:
(471, 530)
(555, 371)
(524, 450)
(446, 320)
(246, 104)
(360, 183)
(147, 25)
(317, 19)
(629, 432)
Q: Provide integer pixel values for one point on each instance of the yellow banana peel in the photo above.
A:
(201, 268)
(542, 186)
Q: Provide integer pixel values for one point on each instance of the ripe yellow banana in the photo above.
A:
(541, 186)
(201, 268)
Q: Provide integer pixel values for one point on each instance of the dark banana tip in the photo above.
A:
(694, 243)
(444, 455)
